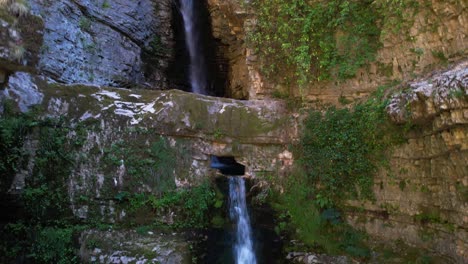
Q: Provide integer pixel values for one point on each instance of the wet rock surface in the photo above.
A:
(309, 258)
(130, 246)
(256, 133)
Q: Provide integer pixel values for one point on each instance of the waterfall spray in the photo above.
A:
(198, 79)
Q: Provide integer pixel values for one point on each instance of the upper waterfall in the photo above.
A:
(198, 71)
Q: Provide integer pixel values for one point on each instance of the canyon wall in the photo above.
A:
(65, 55)
(421, 198)
(435, 35)
(120, 126)
(113, 43)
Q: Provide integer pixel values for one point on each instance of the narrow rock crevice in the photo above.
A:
(216, 68)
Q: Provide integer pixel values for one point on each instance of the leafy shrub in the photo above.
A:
(13, 131)
(319, 40)
(191, 205)
(54, 245)
(15, 242)
(46, 194)
(36, 237)
(322, 230)
(340, 150)
(154, 166)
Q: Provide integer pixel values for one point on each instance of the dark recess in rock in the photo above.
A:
(178, 71)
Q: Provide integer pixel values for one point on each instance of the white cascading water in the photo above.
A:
(243, 248)
(198, 79)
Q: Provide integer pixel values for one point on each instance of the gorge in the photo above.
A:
(347, 119)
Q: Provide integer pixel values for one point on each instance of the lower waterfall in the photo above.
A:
(243, 247)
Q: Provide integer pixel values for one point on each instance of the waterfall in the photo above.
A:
(198, 75)
(243, 248)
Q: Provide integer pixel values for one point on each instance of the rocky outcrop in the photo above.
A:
(20, 42)
(422, 198)
(432, 36)
(133, 247)
(432, 99)
(121, 126)
(228, 19)
(436, 35)
(102, 42)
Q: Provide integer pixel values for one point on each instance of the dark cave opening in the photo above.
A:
(227, 165)
(216, 65)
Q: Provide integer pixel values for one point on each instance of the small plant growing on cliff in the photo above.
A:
(218, 134)
(85, 23)
(106, 4)
(17, 52)
(19, 8)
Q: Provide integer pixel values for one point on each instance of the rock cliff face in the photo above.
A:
(20, 42)
(105, 42)
(123, 124)
(65, 54)
(133, 247)
(436, 34)
(422, 198)
(228, 19)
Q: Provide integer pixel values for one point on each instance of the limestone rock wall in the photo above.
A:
(436, 35)
(422, 198)
(120, 127)
(230, 20)
(102, 42)
(130, 246)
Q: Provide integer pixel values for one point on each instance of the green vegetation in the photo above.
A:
(320, 40)
(440, 56)
(153, 53)
(153, 165)
(13, 130)
(85, 23)
(46, 230)
(218, 134)
(319, 229)
(193, 205)
(105, 4)
(54, 245)
(339, 152)
(156, 47)
(341, 149)
(190, 207)
(43, 234)
(46, 194)
(15, 12)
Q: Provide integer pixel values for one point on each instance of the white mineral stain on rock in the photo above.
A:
(186, 120)
(58, 107)
(86, 116)
(223, 109)
(109, 94)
